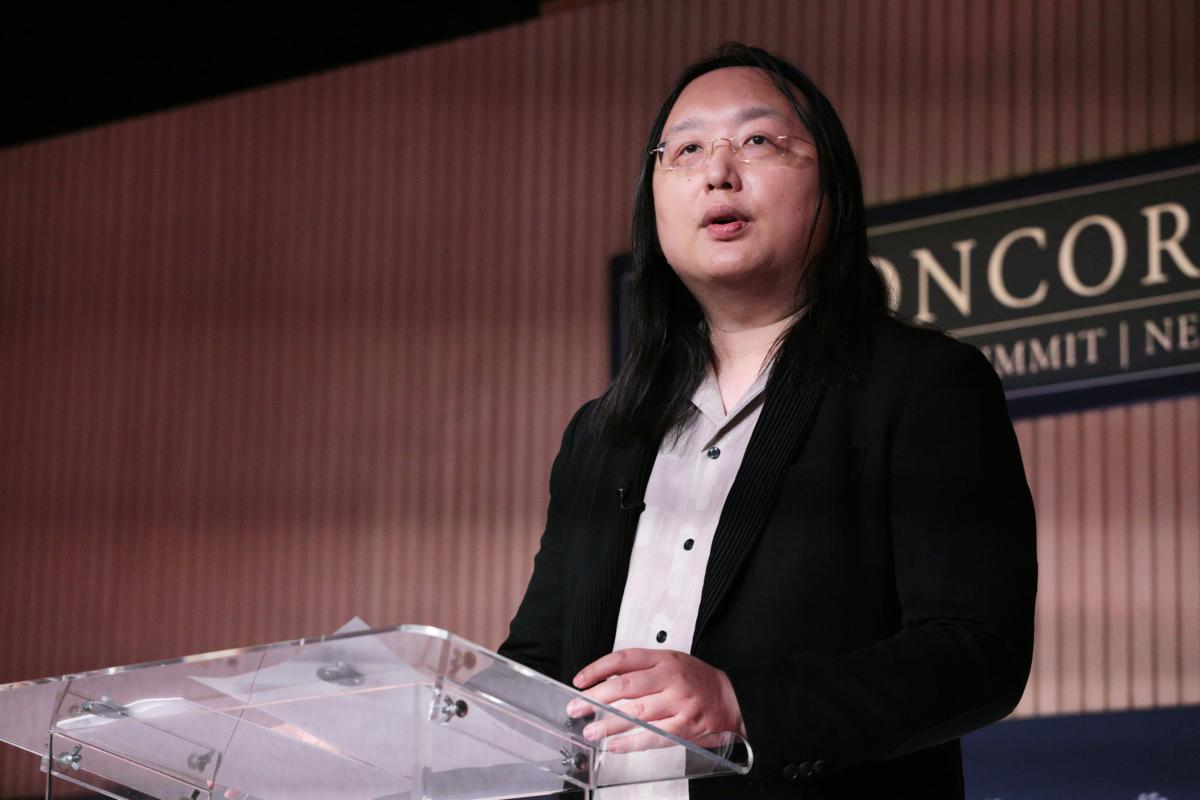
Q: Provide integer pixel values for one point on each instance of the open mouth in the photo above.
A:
(722, 215)
(724, 223)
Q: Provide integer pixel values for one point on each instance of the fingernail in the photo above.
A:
(590, 731)
(575, 682)
(574, 709)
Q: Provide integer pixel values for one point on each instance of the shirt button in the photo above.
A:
(689, 544)
(714, 453)
(661, 637)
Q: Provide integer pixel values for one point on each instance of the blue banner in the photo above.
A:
(1128, 755)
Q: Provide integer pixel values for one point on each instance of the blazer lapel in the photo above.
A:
(786, 418)
(616, 505)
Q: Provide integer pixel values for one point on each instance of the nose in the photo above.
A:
(722, 169)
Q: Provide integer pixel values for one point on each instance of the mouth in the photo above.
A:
(723, 215)
(724, 222)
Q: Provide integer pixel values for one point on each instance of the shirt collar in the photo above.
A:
(707, 397)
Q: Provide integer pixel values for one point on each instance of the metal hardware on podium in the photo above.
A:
(199, 761)
(341, 674)
(104, 707)
(577, 724)
(72, 758)
(577, 761)
(452, 708)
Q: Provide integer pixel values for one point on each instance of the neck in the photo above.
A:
(744, 324)
(743, 346)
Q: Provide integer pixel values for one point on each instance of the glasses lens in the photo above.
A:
(761, 148)
(685, 155)
(758, 148)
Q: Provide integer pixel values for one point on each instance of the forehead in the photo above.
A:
(727, 97)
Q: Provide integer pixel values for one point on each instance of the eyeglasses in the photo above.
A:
(757, 148)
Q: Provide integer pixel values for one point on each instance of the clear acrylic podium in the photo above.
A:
(404, 712)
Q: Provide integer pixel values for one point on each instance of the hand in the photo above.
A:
(678, 693)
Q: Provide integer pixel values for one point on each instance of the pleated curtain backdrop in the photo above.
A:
(305, 352)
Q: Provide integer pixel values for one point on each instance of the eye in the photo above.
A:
(687, 154)
(759, 147)
(760, 143)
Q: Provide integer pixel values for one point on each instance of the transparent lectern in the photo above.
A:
(404, 712)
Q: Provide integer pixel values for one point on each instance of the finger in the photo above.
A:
(620, 687)
(629, 686)
(613, 689)
(579, 708)
(621, 661)
(635, 742)
(649, 740)
(676, 726)
(609, 726)
(647, 709)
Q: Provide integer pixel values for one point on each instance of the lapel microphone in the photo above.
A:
(625, 504)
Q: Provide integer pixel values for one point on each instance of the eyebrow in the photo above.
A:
(745, 115)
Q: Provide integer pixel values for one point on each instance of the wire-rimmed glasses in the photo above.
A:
(757, 148)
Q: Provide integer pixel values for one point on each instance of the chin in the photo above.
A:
(724, 279)
(732, 270)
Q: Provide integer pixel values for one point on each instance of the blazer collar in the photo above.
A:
(616, 506)
(786, 418)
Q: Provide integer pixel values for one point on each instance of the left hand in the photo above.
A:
(678, 693)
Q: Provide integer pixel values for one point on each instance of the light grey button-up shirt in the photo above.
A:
(691, 478)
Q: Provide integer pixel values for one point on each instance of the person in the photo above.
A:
(792, 515)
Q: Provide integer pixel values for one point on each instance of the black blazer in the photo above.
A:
(871, 584)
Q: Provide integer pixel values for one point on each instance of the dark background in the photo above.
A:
(75, 65)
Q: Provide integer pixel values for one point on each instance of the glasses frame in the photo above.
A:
(710, 147)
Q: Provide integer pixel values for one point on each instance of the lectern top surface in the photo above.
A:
(363, 713)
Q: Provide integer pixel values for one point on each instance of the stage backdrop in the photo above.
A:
(297, 354)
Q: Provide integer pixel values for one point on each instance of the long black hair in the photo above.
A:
(670, 350)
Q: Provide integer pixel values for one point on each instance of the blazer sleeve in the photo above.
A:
(535, 633)
(963, 542)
